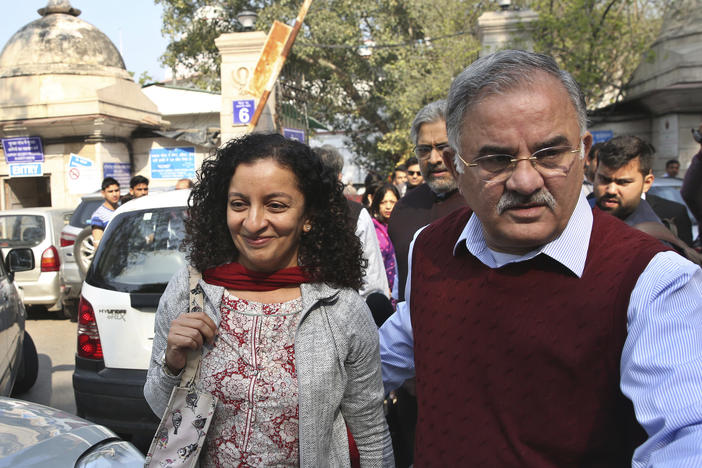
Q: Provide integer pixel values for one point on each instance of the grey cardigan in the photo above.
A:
(338, 370)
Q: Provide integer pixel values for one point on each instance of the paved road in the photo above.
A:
(56, 345)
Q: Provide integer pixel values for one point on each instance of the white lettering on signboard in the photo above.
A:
(26, 170)
(244, 116)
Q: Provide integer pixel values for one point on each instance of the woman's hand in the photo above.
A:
(188, 331)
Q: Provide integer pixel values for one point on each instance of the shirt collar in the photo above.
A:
(568, 249)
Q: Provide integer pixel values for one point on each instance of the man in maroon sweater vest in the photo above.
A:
(541, 332)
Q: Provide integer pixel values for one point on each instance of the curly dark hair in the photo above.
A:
(378, 198)
(329, 253)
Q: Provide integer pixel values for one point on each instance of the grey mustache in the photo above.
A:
(512, 200)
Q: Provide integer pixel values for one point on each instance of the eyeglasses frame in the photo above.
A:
(513, 161)
(441, 147)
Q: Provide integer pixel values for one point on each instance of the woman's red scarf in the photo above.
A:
(237, 277)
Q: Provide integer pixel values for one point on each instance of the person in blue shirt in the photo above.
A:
(105, 212)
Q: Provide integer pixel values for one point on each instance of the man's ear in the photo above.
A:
(450, 162)
(648, 180)
(587, 144)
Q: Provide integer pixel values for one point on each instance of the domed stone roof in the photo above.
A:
(61, 43)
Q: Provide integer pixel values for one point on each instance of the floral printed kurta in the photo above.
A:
(251, 369)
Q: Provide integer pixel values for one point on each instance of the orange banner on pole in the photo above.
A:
(274, 64)
(270, 60)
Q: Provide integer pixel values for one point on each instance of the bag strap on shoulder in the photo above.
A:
(196, 304)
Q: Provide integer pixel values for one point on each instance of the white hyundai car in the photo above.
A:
(134, 261)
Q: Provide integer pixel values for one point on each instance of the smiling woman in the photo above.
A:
(287, 345)
(266, 215)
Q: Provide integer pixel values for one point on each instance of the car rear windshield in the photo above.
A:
(84, 211)
(140, 251)
(21, 230)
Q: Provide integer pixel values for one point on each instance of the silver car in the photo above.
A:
(19, 364)
(38, 436)
(39, 230)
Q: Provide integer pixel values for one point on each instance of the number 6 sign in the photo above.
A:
(243, 111)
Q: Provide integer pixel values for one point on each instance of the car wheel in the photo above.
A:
(29, 369)
(83, 250)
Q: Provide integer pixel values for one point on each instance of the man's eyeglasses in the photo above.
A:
(414, 173)
(424, 151)
(555, 161)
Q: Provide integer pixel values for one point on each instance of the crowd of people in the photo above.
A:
(510, 295)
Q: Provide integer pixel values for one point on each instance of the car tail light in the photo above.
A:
(50, 260)
(67, 239)
(88, 335)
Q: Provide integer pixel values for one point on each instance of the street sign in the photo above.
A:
(82, 175)
(294, 134)
(119, 171)
(77, 161)
(26, 170)
(172, 163)
(243, 111)
(23, 150)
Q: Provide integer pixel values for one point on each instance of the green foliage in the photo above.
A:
(600, 42)
(145, 78)
(192, 26)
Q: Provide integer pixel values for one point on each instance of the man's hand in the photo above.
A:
(188, 331)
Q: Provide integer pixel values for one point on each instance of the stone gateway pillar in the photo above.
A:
(240, 53)
(505, 29)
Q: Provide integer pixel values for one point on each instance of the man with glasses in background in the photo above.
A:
(542, 332)
(430, 201)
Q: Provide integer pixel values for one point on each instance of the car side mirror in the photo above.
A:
(21, 259)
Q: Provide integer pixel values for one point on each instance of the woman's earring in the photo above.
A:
(306, 227)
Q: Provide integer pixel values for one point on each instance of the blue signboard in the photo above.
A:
(77, 161)
(23, 150)
(172, 163)
(600, 136)
(121, 172)
(26, 170)
(294, 134)
(243, 111)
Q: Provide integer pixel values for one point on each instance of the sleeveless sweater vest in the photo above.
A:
(519, 366)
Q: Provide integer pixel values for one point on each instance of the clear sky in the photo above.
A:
(134, 26)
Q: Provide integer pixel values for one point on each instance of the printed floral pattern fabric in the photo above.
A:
(251, 369)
